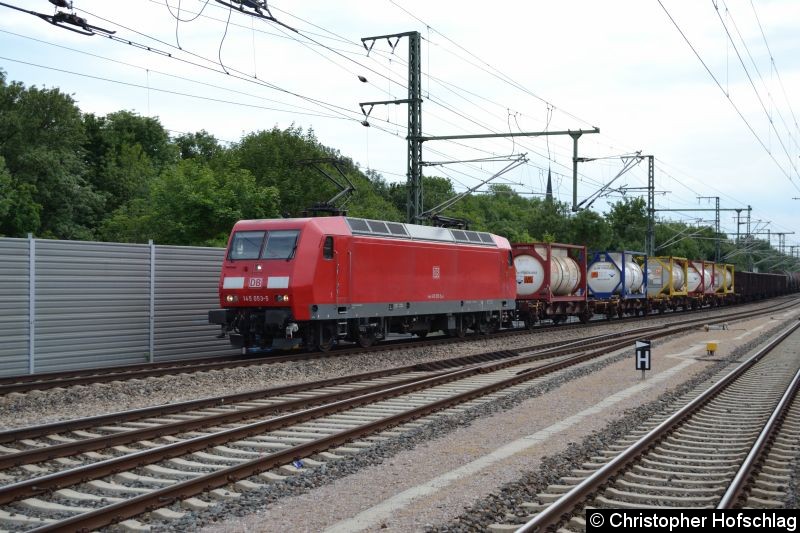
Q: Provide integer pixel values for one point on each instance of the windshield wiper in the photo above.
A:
(291, 254)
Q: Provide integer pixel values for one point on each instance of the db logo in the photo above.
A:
(256, 283)
(437, 273)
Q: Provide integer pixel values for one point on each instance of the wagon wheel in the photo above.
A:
(422, 334)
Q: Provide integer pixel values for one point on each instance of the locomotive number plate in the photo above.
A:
(257, 298)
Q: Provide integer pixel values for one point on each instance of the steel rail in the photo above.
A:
(551, 349)
(738, 487)
(57, 480)
(190, 405)
(69, 477)
(571, 499)
(46, 453)
(160, 498)
(181, 490)
(27, 382)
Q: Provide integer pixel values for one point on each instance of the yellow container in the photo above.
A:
(711, 347)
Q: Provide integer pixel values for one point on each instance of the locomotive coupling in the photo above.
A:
(291, 328)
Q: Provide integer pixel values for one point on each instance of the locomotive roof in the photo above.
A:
(378, 228)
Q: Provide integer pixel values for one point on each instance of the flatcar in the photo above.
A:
(551, 282)
(617, 284)
(313, 282)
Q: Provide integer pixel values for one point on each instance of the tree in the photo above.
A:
(591, 229)
(628, 219)
(200, 145)
(192, 204)
(125, 152)
(272, 157)
(41, 140)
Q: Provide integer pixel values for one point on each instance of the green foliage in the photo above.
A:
(192, 204)
(41, 140)
(125, 152)
(591, 229)
(628, 220)
(120, 177)
(200, 145)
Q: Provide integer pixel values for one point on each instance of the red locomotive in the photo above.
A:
(315, 281)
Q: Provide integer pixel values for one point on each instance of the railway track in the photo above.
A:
(108, 471)
(730, 445)
(30, 382)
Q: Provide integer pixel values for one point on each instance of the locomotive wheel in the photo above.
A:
(459, 331)
(365, 340)
(326, 337)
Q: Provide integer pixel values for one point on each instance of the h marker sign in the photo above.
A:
(643, 356)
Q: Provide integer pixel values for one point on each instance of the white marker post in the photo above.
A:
(642, 356)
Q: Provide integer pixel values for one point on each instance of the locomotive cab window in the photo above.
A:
(246, 245)
(327, 248)
(281, 244)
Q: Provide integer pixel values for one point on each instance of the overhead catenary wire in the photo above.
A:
(348, 113)
(434, 99)
(444, 101)
(755, 89)
(772, 61)
(168, 91)
(727, 96)
(301, 110)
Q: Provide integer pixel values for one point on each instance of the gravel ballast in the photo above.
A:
(386, 466)
(389, 458)
(39, 407)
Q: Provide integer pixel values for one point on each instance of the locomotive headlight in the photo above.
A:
(231, 298)
(258, 268)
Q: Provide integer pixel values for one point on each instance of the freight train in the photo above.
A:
(313, 282)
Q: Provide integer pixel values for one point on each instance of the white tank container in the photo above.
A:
(711, 281)
(564, 273)
(693, 278)
(530, 275)
(658, 277)
(724, 279)
(604, 276)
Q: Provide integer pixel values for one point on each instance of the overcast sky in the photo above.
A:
(622, 66)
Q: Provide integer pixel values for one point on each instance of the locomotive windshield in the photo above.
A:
(280, 244)
(246, 244)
